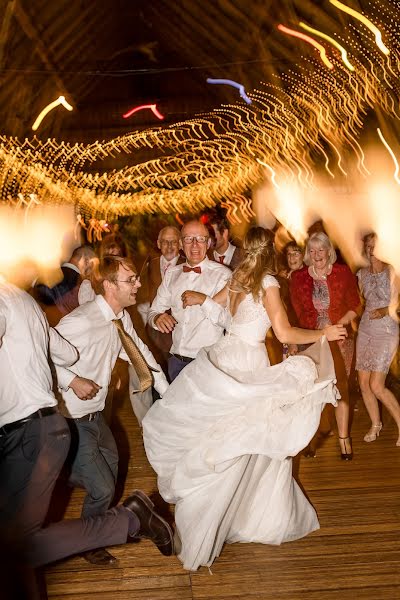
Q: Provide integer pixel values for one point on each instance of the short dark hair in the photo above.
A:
(221, 223)
(107, 270)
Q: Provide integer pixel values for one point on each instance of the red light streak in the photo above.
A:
(152, 107)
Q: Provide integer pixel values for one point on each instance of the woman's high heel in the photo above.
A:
(346, 451)
(373, 433)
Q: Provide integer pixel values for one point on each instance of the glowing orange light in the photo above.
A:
(311, 41)
(152, 107)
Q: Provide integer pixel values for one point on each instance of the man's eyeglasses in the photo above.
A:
(189, 239)
(132, 280)
(169, 242)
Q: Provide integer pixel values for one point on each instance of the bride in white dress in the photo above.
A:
(222, 437)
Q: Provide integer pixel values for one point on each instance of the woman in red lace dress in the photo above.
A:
(323, 293)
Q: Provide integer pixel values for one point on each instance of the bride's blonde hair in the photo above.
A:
(258, 261)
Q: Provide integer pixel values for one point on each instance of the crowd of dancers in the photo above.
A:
(220, 423)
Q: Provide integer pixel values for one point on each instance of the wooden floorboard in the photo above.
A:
(355, 554)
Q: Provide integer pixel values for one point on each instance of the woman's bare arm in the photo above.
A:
(294, 335)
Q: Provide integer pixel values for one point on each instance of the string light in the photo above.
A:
(61, 101)
(326, 37)
(365, 21)
(239, 86)
(309, 40)
(152, 107)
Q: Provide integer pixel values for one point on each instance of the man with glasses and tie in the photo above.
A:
(102, 331)
(190, 328)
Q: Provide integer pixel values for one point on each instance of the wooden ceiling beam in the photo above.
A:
(31, 32)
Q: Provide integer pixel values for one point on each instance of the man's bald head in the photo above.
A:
(195, 241)
(168, 242)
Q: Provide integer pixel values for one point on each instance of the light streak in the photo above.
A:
(367, 23)
(152, 107)
(309, 40)
(239, 86)
(392, 154)
(326, 37)
(271, 171)
(60, 101)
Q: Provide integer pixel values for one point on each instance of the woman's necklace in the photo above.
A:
(324, 276)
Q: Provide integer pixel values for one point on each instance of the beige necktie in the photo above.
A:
(136, 357)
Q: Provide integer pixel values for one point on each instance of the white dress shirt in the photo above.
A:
(86, 292)
(25, 340)
(167, 264)
(193, 330)
(91, 329)
(228, 255)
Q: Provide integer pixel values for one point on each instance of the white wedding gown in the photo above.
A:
(221, 438)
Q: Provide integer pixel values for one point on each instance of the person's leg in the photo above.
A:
(31, 459)
(342, 411)
(377, 383)
(371, 404)
(94, 467)
(175, 366)
(77, 536)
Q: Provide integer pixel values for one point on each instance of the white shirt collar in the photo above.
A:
(201, 264)
(106, 309)
(71, 266)
(164, 263)
(227, 255)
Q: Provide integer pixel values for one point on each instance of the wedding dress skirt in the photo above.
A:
(221, 438)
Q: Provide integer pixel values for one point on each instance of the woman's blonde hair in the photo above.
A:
(321, 239)
(258, 261)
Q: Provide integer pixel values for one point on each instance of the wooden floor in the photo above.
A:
(355, 554)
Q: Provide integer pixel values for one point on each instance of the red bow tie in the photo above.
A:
(187, 269)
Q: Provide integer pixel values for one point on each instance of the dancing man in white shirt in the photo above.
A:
(92, 329)
(191, 330)
(34, 442)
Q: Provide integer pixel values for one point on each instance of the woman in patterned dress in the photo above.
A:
(324, 293)
(378, 338)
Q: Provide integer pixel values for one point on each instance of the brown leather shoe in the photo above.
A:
(152, 526)
(100, 556)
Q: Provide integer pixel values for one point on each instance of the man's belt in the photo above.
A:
(88, 417)
(39, 414)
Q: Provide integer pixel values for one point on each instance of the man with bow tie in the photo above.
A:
(190, 328)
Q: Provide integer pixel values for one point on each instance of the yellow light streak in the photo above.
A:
(326, 37)
(392, 154)
(61, 101)
(367, 23)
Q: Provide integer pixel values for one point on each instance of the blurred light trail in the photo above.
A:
(152, 107)
(239, 86)
(60, 101)
(311, 41)
(271, 171)
(392, 154)
(367, 23)
(326, 37)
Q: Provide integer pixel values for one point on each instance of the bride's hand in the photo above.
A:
(190, 298)
(335, 332)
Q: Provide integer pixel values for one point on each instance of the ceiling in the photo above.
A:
(107, 56)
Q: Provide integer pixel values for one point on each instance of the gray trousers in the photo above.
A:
(94, 463)
(31, 458)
